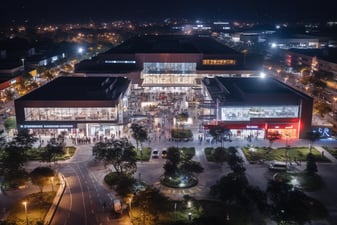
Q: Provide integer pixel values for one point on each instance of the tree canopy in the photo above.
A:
(139, 133)
(119, 153)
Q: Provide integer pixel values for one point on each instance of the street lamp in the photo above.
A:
(130, 202)
(190, 216)
(335, 100)
(25, 204)
(23, 63)
(52, 183)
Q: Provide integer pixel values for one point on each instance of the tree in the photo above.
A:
(25, 139)
(191, 167)
(230, 188)
(182, 117)
(172, 161)
(219, 155)
(291, 206)
(119, 153)
(10, 123)
(139, 133)
(311, 136)
(218, 132)
(125, 185)
(322, 108)
(49, 153)
(235, 162)
(311, 164)
(41, 176)
(13, 157)
(151, 202)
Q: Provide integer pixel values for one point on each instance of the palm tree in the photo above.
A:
(139, 133)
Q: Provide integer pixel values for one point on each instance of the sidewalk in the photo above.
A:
(49, 217)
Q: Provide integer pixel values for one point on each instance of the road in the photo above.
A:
(84, 197)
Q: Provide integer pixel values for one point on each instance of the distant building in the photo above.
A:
(324, 60)
(253, 107)
(10, 74)
(82, 106)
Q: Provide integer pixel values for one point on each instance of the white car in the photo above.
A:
(277, 165)
(155, 154)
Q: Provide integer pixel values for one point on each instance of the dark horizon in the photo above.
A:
(41, 12)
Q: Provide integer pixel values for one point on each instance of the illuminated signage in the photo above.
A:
(47, 126)
(324, 132)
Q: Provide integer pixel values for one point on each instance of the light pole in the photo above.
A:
(25, 204)
(130, 202)
(52, 183)
(189, 216)
(23, 63)
(335, 100)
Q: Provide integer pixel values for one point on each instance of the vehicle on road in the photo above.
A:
(278, 165)
(155, 154)
(164, 153)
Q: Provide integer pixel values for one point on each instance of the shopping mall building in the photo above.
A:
(132, 77)
(82, 106)
(253, 107)
(174, 63)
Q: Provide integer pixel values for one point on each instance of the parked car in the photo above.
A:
(277, 165)
(155, 154)
(164, 153)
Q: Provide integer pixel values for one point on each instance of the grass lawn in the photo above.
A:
(205, 211)
(38, 205)
(146, 154)
(35, 153)
(302, 180)
(299, 153)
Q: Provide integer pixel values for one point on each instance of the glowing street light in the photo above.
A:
(25, 204)
(23, 63)
(80, 50)
(335, 101)
(52, 183)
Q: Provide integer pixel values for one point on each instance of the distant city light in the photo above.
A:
(262, 74)
(80, 50)
(273, 45)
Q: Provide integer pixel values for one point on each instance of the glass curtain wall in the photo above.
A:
(70, 114)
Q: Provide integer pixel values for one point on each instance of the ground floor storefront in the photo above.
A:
(287, 129)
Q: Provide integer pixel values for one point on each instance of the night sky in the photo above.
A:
(61, 11)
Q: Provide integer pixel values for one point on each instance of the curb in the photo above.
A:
(50, 215)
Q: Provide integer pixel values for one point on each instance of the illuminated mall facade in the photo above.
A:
(81, 106)
(167, 64)
(254, 107)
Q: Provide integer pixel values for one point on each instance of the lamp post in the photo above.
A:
(23, 63)
(189, 216)
(25, 204)
(52, 183)
(130, 206)
(335, 100)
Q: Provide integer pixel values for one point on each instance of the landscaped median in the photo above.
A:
(291, 154)
(39, 207)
